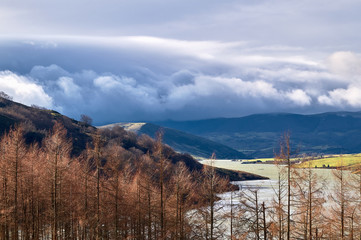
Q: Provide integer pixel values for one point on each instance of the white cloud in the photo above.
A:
(346, 64)
(108, 83)
(68, 87)
(343, 97)
(24, 90)
(299, 97)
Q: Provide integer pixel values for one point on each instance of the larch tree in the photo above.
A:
(309, 200)
(4, 203)
(57, 148)
(86, 210)
(341, 204)
(162, 165)
(32, 192)
(209, 218)
(95, 153)
(182, 186)
(118, 173)
(251, 219)
(285, 156)
(149, 187)
(14, 155)
(277, 210)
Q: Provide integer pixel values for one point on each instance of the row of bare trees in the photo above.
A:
(107, 192)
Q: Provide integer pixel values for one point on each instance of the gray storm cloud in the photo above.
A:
(321, 24)
(152, 59)
(144, 78)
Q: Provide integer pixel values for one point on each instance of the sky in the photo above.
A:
(151, 60)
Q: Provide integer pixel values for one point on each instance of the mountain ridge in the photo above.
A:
(258, 135)
(182, 141)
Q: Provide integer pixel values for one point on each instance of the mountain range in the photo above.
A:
(259, 135)
(252, 136)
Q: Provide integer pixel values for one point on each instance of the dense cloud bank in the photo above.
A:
(204, 59)
(147, 78)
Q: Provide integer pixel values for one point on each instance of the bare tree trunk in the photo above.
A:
(257, 216)
(177, 218)
(264, 222)
(97, 160)
(341, 198)
(212, 203)
(116, 210)
(5, 199)
(158, 153)
(280, 215)
(16, 181)
(58, 149)
(231, 215)
(55, 202)
(161, 179)
(342, 216)
(310, 198)
(16, 151)
(85, 227)
(98, 202)
(181, 220)
(285, 156)
(149, 212)
(289, 187)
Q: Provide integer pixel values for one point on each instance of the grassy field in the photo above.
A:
(328, 161)
(266, 170)
(332, 161)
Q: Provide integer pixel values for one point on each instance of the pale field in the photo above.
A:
(266, 170)
(267, 187)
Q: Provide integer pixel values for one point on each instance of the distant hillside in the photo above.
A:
(192, 144)
(39, 122)
(258, 135)
(184, 142)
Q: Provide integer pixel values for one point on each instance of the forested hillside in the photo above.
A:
(65, 179)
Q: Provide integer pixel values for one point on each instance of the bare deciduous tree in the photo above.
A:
(5, 96)
(86, 119)
(57, 148)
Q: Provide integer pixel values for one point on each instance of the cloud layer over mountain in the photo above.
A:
(151, 60)
(143, 78)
